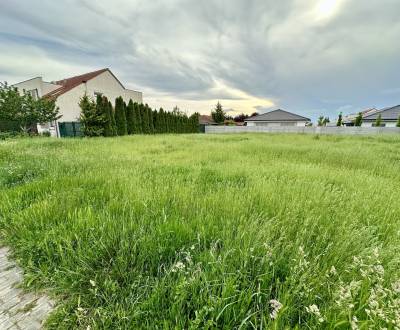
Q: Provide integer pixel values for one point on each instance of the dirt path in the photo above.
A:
(18, 309)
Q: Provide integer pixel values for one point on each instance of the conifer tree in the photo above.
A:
(340, 120)
(105, 108)
(120, 117)
(150, 116)
(218, 114)
(137, 119)
(145, 120)
(378, 122)
(130, 118)
(92, 118)
(113, 122)
(358, 120)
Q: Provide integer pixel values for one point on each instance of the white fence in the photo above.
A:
(308, 130)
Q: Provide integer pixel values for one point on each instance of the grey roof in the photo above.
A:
(278, 115)
(391, 113)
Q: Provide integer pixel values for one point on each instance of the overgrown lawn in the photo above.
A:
(207, 231)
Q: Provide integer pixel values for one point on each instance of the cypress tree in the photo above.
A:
(156, 123)
(145, 119)
(130, 117)
(378, 121)
(120, 117)
(108, 129)
(138, 123)
(358, 120)
(112, 115)
(91, 118)
(340, 120)
(161, 121)
(150, 115)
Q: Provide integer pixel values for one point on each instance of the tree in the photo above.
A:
(358, 120)
(113, 122)
(340, 120)
(398, 122)
(120, 116)
(130, 117)
(137, 119)
(218, 114)
(24, 110)
(378, 121)
(323, 121)
(92, 118)
(106, 109)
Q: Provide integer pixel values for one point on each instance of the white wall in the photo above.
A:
(276, 124)
(387, 124)
(36, 83)
(104, 83)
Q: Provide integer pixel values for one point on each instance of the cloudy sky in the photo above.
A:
(311, 57)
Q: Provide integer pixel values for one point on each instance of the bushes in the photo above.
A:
(100, 119)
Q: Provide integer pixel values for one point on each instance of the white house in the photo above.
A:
(389, 117)
(68, 92)
(277, 117)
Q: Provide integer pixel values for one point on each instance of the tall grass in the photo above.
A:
(203, 231)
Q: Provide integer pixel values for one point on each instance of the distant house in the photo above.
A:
(68, 92)
(277, 117)
(389, 117)
(206, 120)
(350, 119)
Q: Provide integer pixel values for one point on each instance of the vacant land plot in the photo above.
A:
(195, 231)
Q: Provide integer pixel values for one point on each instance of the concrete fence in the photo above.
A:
(307, 130)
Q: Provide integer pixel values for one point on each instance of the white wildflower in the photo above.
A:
(313, 309)
(92, 283)
(396, 287)
(276, 306)
(178, 266)
(354, 323)
(333, 271)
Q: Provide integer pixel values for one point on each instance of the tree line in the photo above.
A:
(101, 118)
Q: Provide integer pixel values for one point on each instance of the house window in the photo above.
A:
(34, 93)
(97, 94)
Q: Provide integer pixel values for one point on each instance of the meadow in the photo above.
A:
(204, 231)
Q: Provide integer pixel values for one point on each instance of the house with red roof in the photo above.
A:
(67, 93)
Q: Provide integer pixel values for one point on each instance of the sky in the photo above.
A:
(310, 57)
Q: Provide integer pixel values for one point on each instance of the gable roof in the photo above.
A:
(70, 83)
(391, 113)
(351, 117)
(278, 115)
(205, 119)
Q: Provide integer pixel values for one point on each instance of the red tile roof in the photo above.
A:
(205, 119)
(70, 83)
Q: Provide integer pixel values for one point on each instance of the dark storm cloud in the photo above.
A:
(309, 56)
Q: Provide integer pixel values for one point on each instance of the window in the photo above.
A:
(34, 93)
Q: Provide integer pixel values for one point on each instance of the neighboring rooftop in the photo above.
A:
(206, 120)
(388, 114)
(277, 116)
(352, 117)
(69, 83)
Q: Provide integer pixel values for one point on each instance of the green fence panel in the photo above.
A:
(70, 129)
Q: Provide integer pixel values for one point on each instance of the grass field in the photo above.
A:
(204, 231)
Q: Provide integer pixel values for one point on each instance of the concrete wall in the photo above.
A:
(276, 124)
(307, 130)
(105, 84)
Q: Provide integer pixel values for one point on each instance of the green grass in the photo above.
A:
(203, 231)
